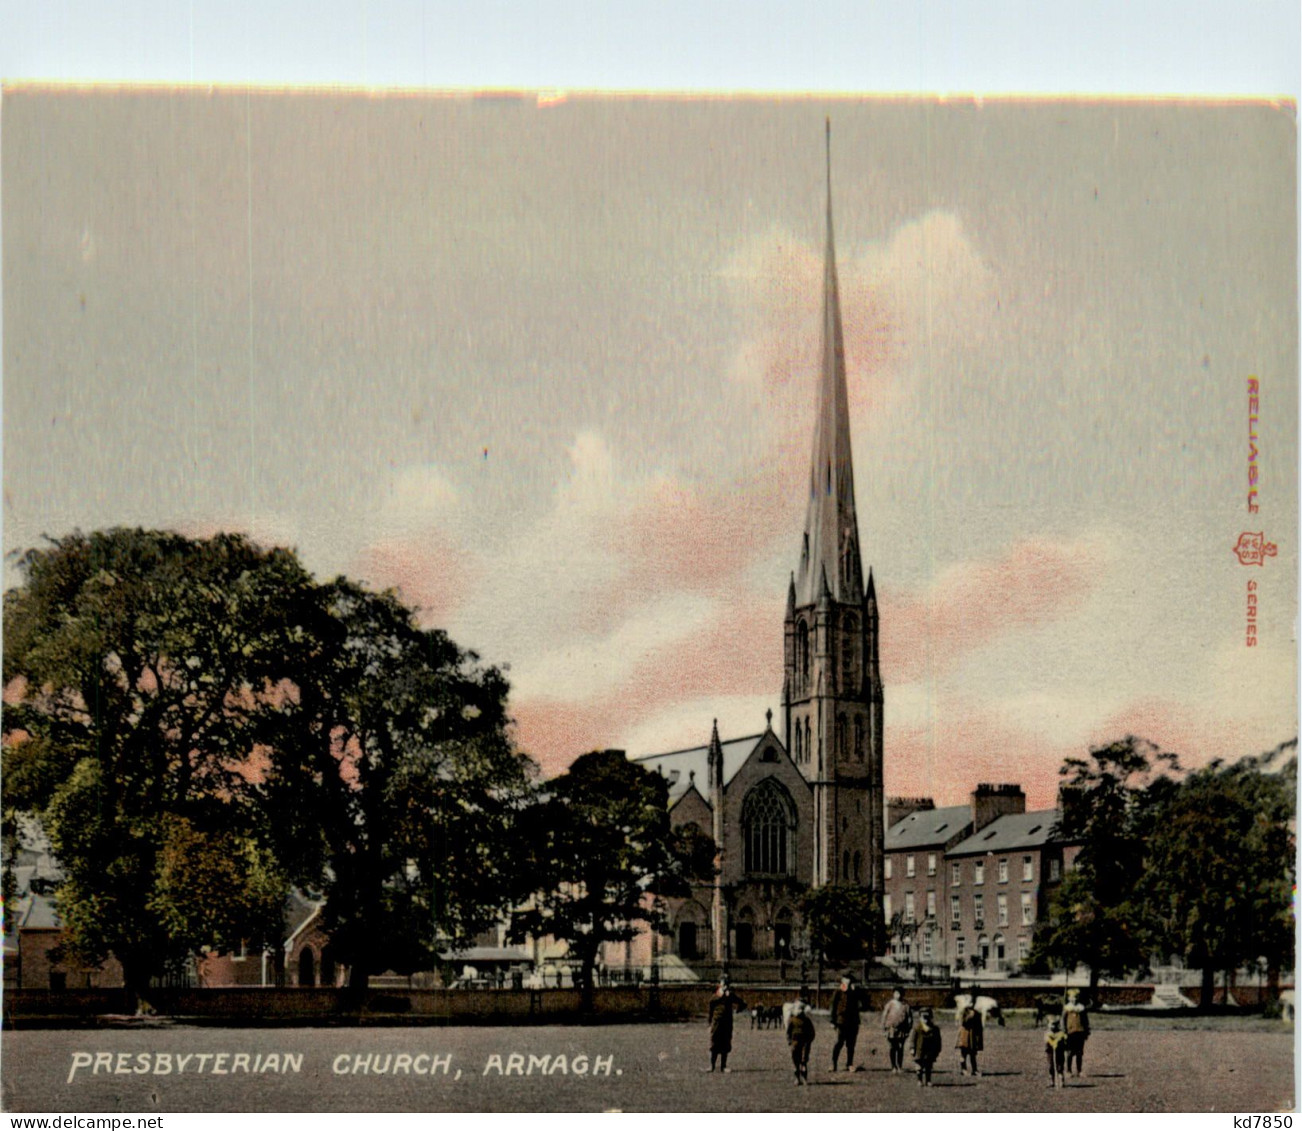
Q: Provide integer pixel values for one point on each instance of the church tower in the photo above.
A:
(832, 690)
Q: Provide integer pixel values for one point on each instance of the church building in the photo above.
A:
(805, 808)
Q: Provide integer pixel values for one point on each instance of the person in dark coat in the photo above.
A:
(971, 1039)
(723, 1005)
(925, 1047)
(847, 1004)
(1076, 1024)
(800, 1037)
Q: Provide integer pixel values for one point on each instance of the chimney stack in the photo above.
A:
(992, 801)
(897, 808)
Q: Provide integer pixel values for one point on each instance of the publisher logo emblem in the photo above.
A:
(1253, 549)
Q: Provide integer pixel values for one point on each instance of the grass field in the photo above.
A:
(1243, 1067)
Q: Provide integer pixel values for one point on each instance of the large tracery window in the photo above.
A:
(768, 820)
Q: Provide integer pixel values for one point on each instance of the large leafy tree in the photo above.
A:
(147, 675)
(1111, 803)
(599, 854)
(844, 922)
(402, 783)
(1219, 874)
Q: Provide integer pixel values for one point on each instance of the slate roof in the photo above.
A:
(1010, 832)
(928, 828)
(695, 761)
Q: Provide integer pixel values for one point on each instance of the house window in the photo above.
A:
(886, 906)
(931, 905)
(1028, 912)
(768, 821)
(954, 909)
(926, 945)
(1023, 948)
(1055, 869)
(1003, 871)
(960, 947)
(1028, 869)
(888, 868)
(908, 907)
(908, 865)
(955, 874)
(979, 872)
(979, 909)
(931, 863)
(1003, 910)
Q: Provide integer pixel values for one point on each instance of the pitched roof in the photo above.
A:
(682, 767)
(1009, 832)
(925, 828)
(41, 914)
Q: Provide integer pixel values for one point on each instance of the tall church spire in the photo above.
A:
(831, 542)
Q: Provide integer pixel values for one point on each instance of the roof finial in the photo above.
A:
(768, 719)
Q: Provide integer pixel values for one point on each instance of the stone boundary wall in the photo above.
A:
(292, 1005)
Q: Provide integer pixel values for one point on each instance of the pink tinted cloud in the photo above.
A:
(737, 652)
(975, 602)
(968, 745)
(430, 573)
(1197, 735)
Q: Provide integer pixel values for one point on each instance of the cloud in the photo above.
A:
(430, 572)
(971, 603)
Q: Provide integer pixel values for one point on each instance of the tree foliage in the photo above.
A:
(599, 855)
(145, 673)
(1218, 879)
(413, 782)
(1200, 867)
(1110, 804)
(843, 922)
(198, 724)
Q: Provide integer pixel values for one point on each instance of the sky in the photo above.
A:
(547, 365)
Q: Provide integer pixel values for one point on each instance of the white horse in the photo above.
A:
(986, 1006)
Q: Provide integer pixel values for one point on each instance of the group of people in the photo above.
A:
(1064, 1040)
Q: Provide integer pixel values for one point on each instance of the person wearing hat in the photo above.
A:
(897, 1023)
(846, 1010)
(1076, 1024)
(723, 1005)
(800, 1037)
(926, 1046)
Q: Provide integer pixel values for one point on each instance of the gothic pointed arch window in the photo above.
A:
(796, 749)
(858, 739)
(849, 651)
(768, 822)
(802, 655)
(809, 750)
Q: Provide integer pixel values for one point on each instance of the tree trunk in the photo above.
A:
(1094, 983)
(1208, 991)
(135, 983)
(586, 967)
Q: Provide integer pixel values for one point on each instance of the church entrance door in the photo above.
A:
(687, 941)
(745, 941)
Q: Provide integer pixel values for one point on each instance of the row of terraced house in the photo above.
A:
(965, 886)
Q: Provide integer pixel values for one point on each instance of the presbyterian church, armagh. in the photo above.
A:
(804, 809)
